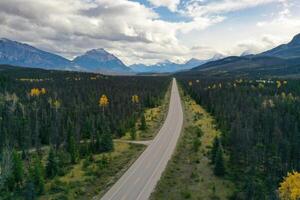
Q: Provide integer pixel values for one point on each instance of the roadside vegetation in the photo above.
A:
(192, 173)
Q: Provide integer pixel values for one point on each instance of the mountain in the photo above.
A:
(161, 67)
(289, 50)
(170, 67)
(194, 62)
(19, 54)
(24, 55)
(99, 60)
(282, 60)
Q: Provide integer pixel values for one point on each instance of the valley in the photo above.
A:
(149, 100)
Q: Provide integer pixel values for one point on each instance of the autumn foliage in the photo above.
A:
(37, 91)
(135, 99)
(290, 187)
(103, 101)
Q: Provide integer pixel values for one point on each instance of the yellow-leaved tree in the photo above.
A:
(135, 99)
(34, 92)
(289, 188)
(103, 101)
(43, 91)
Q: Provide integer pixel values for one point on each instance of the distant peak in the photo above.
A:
(5, 40)
(193, 59)
(296, 39)
(218, 56)
(97, 51)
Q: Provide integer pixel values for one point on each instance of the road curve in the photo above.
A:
(138, 182)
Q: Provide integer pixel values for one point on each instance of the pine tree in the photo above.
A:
(52, 164)
(219, 169)
(29, 191)
(133, 133)
(71, 146)
(17, 169)
(143, 123)
(196, 144)
(6, 165)
(106, 142)
(97, 147)
(214, 149)
(73, 150)
(37, 175)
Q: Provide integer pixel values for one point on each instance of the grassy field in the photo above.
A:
(189, 174)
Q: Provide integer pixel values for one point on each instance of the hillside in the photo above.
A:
(24, 55)
(283, 60)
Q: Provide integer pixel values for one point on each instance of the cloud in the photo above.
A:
(134, 32)
(204, 8)
(170, 4)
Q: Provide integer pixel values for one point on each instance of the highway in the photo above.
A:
(140, 179)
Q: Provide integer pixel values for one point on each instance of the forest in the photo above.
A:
(260, 121)
(74, 114)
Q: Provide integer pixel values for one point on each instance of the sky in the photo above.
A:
(151, 31)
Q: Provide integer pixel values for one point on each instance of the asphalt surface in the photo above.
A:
(139, 181)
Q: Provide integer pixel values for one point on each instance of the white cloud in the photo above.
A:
(204, 8)
(170, 4)
(132, 31)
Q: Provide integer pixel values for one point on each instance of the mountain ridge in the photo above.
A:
(283, 59)
(24, 55)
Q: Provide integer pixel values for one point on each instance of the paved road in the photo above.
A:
(140, 179)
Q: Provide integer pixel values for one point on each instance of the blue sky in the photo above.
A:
(150, 31)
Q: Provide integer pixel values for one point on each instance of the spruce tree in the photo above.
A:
(29, 191)
(37, 175)
(97, 147)
(52, 164)
(106, 142)
(133, 133)
(219, 169)
(214, 149)
(196, 144)
(17, 169)
(143, 123)
(71, 146)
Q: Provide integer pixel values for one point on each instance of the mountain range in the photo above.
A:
(169, 67)
(24, 55)
(281, 60)
(284, 59)
(95, 60)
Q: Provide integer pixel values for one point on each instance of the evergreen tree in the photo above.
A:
(72, 146)
(98, 143)
(196, 144)
(143, 123)
(214, 149)
(106, 142)
(219, 169)
(37, 175)
(133, 133)
(52, 164)
(6, 165)
(29, 191)
(17, 169)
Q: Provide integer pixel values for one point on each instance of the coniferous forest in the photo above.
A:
(75, 114)
(260, 121)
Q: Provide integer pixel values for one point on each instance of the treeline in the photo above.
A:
(73, 114)
(260, 122)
